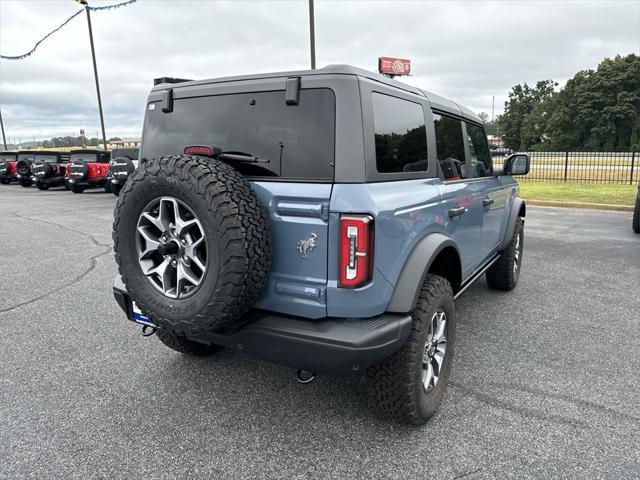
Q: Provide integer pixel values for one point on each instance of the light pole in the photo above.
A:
(4, 140)
(95, 70)
(312, 35)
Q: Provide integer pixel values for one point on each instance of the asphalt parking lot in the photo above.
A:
(545, 382)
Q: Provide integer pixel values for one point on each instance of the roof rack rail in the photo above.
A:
(158, 81)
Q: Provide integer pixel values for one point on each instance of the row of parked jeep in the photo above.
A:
(76, 170)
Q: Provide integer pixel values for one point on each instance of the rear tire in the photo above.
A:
(636, 215)
(4, 181)
(26, 183)
(504, 274)
(42, 186)
(186, 346)
(107, 187)
(397, 383)
(76, 188)
(115, 189)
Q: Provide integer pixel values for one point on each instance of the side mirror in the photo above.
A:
(517, 164)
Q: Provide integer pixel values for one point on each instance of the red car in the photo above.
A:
(88, 169)
(8, 167)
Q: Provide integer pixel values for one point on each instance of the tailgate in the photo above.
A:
(299, 214)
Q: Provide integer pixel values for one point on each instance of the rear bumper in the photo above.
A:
(91, 182)
(59, 180)
(335, 346)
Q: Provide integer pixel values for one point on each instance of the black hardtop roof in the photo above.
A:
(437, 101)
(124, 151)
(49, 152)
(88, 151)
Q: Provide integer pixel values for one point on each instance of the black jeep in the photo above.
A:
(49, 169)
(23, 168)
(124, 162)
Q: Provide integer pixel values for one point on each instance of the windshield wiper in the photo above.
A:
(241, 157)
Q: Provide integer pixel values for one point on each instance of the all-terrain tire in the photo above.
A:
(26, 183)
(76, 188)
(504, 274)
(395, 384)
(4, 181)
(636, 215)
(186, 346)
(107, 186)
(42, 186)
(238, 240)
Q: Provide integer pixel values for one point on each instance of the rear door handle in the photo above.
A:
(487, 201)
(456, 212)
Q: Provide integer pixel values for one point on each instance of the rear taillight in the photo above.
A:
(356, 251)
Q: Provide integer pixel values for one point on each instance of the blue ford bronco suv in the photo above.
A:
(324, 219)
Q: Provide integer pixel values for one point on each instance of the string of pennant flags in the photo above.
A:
(95, 9)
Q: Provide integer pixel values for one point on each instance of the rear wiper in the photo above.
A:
(217, 152)
(241, 157)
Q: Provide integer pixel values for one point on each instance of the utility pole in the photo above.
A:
(4, 140)
(95, 70)
(312, 35)
(493, 106)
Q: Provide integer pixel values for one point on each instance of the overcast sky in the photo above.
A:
(467, 51)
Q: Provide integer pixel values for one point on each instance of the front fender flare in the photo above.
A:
(416, 267)
(518, 209)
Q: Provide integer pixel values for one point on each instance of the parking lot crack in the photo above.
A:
(93, 263)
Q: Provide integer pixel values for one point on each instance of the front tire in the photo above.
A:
(409, 385)
(504, 274)
(186, 346)
(115, 189)
(76, 188)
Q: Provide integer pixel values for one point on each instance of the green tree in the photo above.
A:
(522, 100)
(599, 110)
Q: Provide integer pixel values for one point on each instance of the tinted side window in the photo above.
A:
(298, 140)
(450, 146)
(480, 157)
(400, 135)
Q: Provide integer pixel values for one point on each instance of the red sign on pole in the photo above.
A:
(394, 66)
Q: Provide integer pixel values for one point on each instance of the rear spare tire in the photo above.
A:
(192, 242)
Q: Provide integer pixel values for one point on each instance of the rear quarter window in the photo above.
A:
(400, 135)
(298, 140)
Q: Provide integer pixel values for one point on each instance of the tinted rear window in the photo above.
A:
(47, 158)
(87, 157)
(26, 156)
(298, 139)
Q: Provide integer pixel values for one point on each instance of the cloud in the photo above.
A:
(468, 51)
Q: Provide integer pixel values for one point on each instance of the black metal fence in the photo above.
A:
(585, 167)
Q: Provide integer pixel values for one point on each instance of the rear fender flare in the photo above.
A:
(416, 267)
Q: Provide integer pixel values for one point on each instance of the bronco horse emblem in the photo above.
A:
(305, 246)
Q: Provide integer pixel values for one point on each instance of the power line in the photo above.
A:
(30, 52)
(25, 55)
